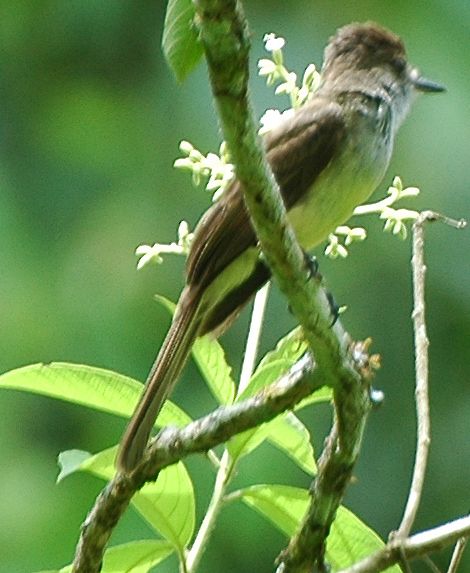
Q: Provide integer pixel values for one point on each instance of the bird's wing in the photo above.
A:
(298, 151)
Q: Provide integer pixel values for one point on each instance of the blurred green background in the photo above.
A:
(90, 123)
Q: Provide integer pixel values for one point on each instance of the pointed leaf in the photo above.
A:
(70, 462)
(136, 557)
(264, 376)
(349, 541)
(210, 358)
(324, 394)
(133, 557)
(180, 43)
(96, 388)
(168, 504)
(288, 434)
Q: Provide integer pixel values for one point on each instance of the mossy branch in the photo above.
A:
(224, 35)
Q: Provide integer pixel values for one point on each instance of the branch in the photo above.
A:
(224, 35)
(415, 546)
(173, 444)
(400, 545)
(421, 368)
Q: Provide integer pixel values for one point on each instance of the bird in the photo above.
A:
(327, 157)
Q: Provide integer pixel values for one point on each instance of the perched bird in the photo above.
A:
(328, 157)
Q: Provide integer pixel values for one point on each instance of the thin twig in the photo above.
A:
(415, 546)
(457, 555)
(421, 368)
(254, 332)
(227, 465)
(215, 505)
(421, 379)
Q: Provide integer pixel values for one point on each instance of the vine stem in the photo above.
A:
(215, 505)
(227, 464)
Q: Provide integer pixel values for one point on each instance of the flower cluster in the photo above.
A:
(217, 169)
(395, 219)
(153, 253)
(274, 70)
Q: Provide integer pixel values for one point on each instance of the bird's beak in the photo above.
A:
(424, 85)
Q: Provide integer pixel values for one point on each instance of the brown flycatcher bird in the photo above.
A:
(327, 158)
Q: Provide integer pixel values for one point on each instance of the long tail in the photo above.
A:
(161, 380)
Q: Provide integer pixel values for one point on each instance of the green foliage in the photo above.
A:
(168, 505)
(87, 386)
(133, 557)
(349, 541)
(180, 43)
(85, 194)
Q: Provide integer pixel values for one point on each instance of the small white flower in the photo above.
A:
(148, 254)
(272, 43)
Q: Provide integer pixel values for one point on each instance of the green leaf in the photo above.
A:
(264, 376)
(291, 347)
(324, 394)
(288, 434)
(70, 461)
(244, 443)
(281, 430)
(210, 359)
(349, 541)
(180, 43)
(168, 504)
(283, 506)
(133, 557)
(136, 557)
(96, 388)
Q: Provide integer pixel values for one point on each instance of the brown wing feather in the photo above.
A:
(298, 151)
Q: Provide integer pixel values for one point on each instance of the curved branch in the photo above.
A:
(174, 444)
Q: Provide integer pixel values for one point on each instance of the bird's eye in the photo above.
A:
(399, 64)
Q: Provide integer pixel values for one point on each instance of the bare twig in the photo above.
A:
(227, 464)
(457, 555)
(421, 368)
(415, 546)
(252, 342)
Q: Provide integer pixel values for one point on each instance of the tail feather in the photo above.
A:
(160, 382)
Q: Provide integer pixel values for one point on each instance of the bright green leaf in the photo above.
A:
(96, 388)
(323, 394)
(285, 432)
(210, 358)
(133, 557)
(244, 443)
(264, 376)
(71, 461)
(168, 504)
(349, 541)
(284, 506)
(291, 347)
(288, 434)
(136, 557)
(180, 43)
